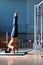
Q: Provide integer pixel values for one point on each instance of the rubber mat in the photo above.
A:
(12, 54)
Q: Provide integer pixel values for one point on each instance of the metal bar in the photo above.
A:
(40, 3)
(34, 23)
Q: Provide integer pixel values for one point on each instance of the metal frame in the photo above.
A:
(36, 24)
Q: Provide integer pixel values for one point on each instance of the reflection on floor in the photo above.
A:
(32, 58)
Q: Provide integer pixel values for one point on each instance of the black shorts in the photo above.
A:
(14, 33)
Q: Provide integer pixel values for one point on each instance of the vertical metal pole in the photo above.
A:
(35, 23)
(38, 21)
(41, 25)
(35, 26)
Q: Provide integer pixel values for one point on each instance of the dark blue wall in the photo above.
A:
(7, 9)
(26, 15)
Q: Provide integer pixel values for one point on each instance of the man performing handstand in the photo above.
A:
(12, 45)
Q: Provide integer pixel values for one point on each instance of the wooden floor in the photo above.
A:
(32, 58)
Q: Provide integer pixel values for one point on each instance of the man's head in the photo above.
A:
(7, 50)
